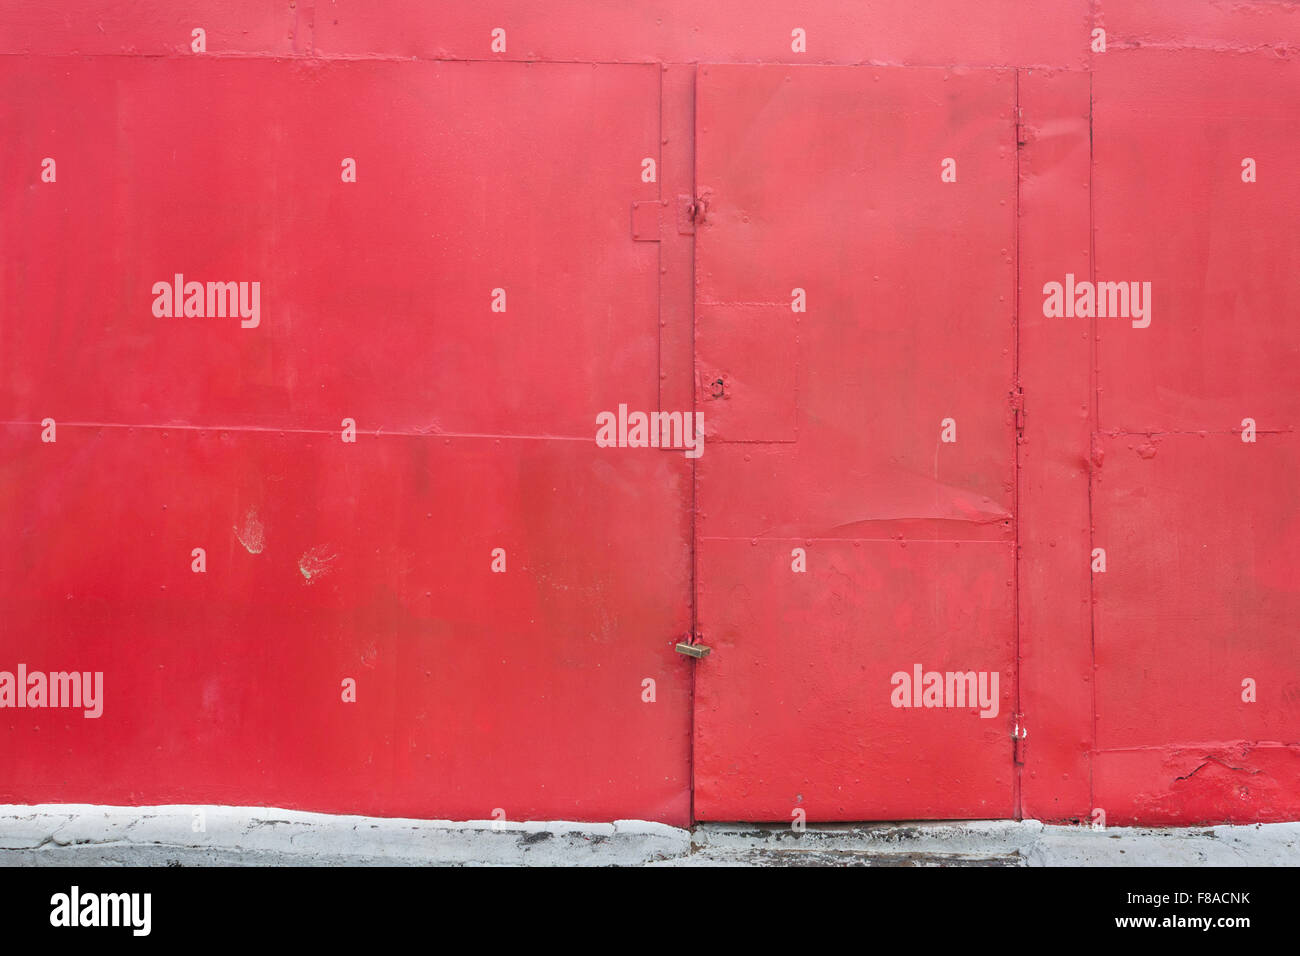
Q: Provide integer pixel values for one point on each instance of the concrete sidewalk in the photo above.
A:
(77, 835)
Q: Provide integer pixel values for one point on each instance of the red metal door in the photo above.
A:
(855, 352)
(442, 262)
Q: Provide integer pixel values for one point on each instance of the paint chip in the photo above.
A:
(315, 563)
(252, 535)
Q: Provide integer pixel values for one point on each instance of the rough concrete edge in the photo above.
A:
(75, 833)
(1015, 842)
(981, 839)
(80, 834)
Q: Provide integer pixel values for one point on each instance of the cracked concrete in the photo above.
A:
(80, 835)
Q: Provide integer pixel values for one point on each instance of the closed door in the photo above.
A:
(856, 361)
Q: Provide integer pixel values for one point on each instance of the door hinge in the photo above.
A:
(1020, 128)
(1017, 399)
(1018, 735)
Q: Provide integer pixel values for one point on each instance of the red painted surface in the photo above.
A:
(476, 690)
(518, 169)
(1056, 361)
(831, 420)
(1202, 529)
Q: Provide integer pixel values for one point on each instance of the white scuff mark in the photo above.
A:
(315, 563)
(252, 535)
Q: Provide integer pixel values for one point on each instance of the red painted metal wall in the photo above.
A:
(505, 266)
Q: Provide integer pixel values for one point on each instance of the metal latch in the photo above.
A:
(690, 211)
(650, 217)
